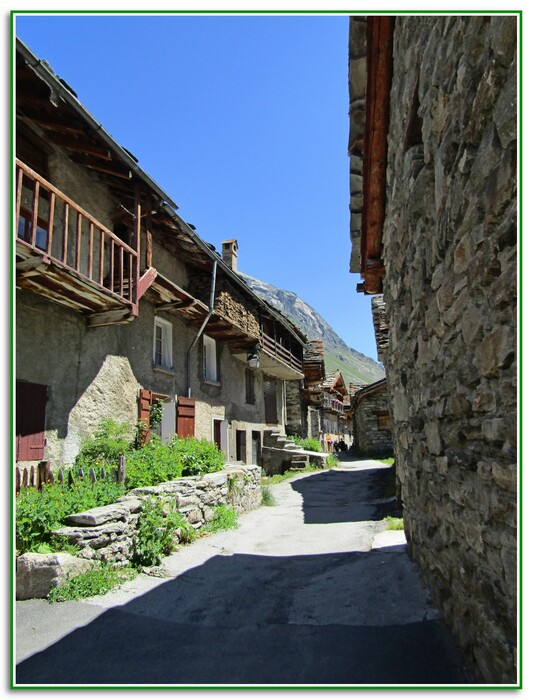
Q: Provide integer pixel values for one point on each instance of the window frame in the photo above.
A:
(166, 344)
(210, 360)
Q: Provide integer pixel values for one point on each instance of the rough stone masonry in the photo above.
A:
(450, 256)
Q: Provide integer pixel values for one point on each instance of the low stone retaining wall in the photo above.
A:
(105, 533)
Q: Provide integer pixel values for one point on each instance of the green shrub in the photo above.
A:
(97, 581)
(311, 444)
(225, 519)
(110, 440)
(155, 536)
(198, 456)
(39, 512)
(156, 462)
(152, 464)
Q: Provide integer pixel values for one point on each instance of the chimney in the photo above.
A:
(229, 253)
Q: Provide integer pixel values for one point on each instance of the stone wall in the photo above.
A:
(449, 248)
(105, 533)
(371, 438)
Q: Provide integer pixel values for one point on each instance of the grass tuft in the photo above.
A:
(97, 581)
(225, 519)
(267, 499)
(394, 523)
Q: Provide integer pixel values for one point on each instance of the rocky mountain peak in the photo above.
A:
(355, 367)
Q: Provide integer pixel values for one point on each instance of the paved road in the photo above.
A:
(311, 591)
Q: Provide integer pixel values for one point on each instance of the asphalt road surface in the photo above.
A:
(309, 592)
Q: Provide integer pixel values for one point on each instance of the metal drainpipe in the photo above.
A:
(204, 324)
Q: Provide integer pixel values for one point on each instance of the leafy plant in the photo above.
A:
(156, 462)
(39, 512)
(156, 413)
(110, 440)
(198, 456)
(97, 581)
(155, 536)
(225, 519)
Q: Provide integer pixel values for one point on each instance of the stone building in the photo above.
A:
(119, 303)
(433, 156)
(371, 420)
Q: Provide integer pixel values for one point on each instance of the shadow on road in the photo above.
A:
(343, 618)
(347, 496)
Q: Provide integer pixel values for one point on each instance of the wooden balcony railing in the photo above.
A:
(277, 350)
(51, 224)
(333, 404)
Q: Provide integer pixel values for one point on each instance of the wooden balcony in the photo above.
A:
(66, 255)
(333, 405)
(279, 360)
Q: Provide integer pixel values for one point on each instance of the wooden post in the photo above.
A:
(32, 476)
(18, 480)
(60, 476)
(149, 244)
(48, 475)
(42, 473)
(51, 222)
(137, 273)
(65, 233)
(121, 475)
(80, 473)
(70, 478)
(102, 473)
(92, 476)
(25, 475)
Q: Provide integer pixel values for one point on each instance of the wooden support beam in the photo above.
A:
(52, 125)
(149, 241)
(145, 282)
(380, 30)
(110, 318)
(81, 146)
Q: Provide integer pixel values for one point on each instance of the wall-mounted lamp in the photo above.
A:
(253, 359)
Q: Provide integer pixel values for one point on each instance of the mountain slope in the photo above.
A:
(355, 366)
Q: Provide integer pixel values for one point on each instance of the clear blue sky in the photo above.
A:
(243, 121)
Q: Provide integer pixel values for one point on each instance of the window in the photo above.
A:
(250, 386)
(162, 344)
(210, 359)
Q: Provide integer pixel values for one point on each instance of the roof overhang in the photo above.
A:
(372, 150)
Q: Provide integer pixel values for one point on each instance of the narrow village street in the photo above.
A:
(313, 590)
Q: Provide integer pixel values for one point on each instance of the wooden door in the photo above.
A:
(30, 421)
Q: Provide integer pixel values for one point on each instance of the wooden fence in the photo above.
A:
(35, 477)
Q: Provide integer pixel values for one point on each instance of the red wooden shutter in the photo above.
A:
(145, 402)
(30, 418)
(185, 410)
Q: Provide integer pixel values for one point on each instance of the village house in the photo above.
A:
(120, 303)
(371, 420)
(335, 411)
(319, 406)
(433, 154)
